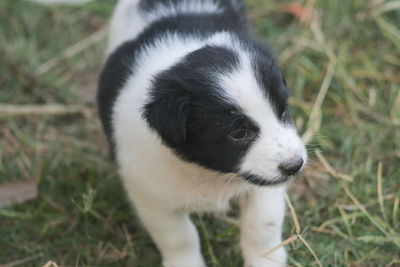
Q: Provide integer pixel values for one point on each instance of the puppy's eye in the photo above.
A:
(243, 134)
(238, 134)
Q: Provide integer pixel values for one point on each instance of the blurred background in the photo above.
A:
(62, 204)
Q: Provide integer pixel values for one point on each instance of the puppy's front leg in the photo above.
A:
(174, 234)
(262, 213)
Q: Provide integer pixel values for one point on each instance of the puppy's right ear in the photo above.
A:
(167, 114)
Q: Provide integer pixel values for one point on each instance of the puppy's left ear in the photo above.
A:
(167, 114)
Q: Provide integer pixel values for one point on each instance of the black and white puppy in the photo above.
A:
(195, 110)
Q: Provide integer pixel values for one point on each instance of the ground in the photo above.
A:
(342, 61)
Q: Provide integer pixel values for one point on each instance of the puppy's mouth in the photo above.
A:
(260, 181)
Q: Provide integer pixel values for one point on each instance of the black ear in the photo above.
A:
(167, 114)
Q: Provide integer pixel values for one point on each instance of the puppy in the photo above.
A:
(195, 109)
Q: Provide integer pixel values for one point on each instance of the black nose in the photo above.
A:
(291, 167)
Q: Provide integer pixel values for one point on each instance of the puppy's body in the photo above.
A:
(141, 153)
(195, 112)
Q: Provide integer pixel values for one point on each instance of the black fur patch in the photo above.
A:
(192, 117)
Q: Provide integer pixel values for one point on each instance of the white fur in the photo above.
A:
(126, 23)
(262, 213)
(190, 7)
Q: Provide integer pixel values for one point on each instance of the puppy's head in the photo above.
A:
(225, 108)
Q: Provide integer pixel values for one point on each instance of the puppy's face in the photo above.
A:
(227, 111)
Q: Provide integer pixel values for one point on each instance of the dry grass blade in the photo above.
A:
(396, 205)
(311, 250)
(369, 203)
(395, 111)
(22, 261)
(390, 31)
(380, 191)
(314, 121)
(293, 215)
(336, 220)
(228, 219)
(394, 262)
(112, 254)
(298, 229)
(128, 248)
(330, 169)
(8, 110)
(386, 7)
(371, 218)
(325, 231)
(282, 244)
(374, 239)
(376, 116)
(72, 51)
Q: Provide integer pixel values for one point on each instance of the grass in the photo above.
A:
(343, 65)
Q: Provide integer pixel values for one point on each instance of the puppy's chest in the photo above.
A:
(209, 196)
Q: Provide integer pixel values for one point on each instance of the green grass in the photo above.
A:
(81, 217)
